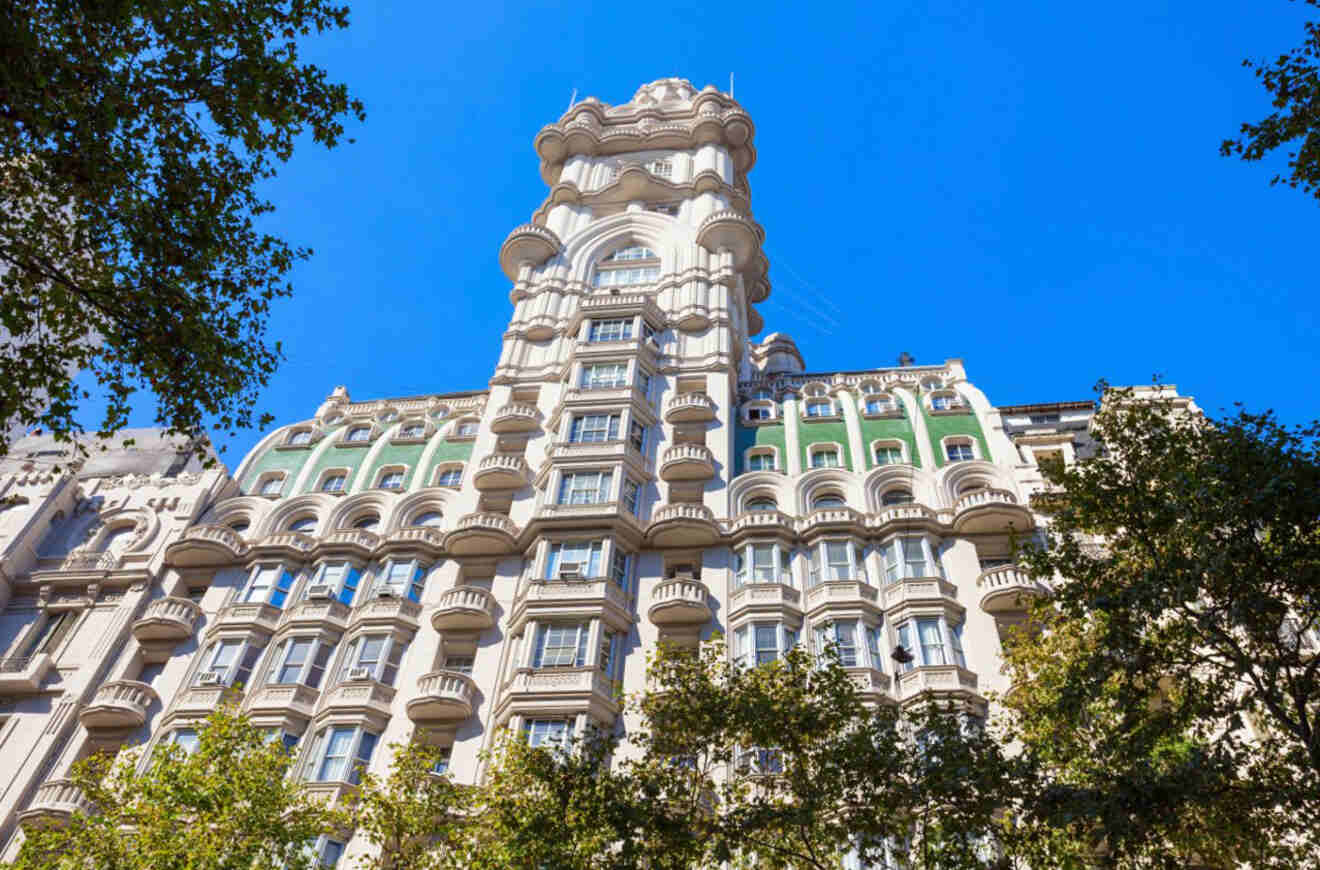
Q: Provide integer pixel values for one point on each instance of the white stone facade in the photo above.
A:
(639, 467)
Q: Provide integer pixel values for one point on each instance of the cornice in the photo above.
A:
(635, 182)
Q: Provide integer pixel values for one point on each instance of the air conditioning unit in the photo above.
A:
(359, 673)
(209, 678)
(320, 590)
(387, 592)
(570, 571)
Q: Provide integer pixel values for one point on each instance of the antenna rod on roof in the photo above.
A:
(730, 85)
(572, 100)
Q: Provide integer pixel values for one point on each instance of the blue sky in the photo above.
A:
(1032, 187)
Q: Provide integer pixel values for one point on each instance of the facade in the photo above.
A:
(639, 467)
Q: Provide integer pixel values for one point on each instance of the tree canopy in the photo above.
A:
(133, 138)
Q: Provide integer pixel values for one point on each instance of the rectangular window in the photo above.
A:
(609, 654)
(955, 642)
(616, 329)
(758, 412)
(461, 664)
(888, 456)
(845, 636)
(52, 631)
(619, 568)
(761, 462)
(932, 642)
(403, 579)
(763, 564)
(185, 739)
(594, 428)
(959, 452)
(585, 487)
(441, 766)
(603, 376)
(767, 643)
(905, 557)
(574, 560)
(905, 641)
(547, 732)
(342, 752)
(231, 662)
(644, 383)
(374, 657)
(837, 566)
(631, 496)
(270, 584)
(637, 437)
(825, 459)
(873, 647)
(561, 646)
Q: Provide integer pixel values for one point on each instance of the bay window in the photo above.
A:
(337, 579)
(184, 738)
(341, 752)
(561, 646)
(834, 560)
(402, 578)
(761, 563)
(620, 568)
(611, 649)
(585, 487)
(373, 657)
(269, 584)
(228, 662)
(762, 642)
(574, 560)
(604, 376)
(631, 495)
(300, 660)
(843, 635)
(593, 428)
(931, 641)
(909, 556)
(614, 329)
(547, 732)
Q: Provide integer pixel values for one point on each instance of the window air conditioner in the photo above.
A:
(359, 673)
(208, 678)
(570, 571)
(320, 590)
(387, 592)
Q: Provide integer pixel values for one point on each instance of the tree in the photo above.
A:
(782, 765)
(133, 137)
(225, 806)
(1293, 81)
(1166, 694)
(414, 817)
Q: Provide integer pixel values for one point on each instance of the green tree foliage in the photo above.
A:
(777, 766)
(226, 806)
(1166, 695)
(413, 817)
(1293, 81)
(133, 138)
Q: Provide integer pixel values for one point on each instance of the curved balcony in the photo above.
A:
(166, 621)
(558, 690)
(426, 539)
(282, 698)
(482, 534)
(119, 705)
(388, 611)
(938, 679)
(763, 598)
(730, 230)
(904, 516)
(283, 545)
(515, 417)
(925, 591)
(873, 685)
(1008, 589)
(693, 317)
(539, 327)
(836, 519)
(841, 595)
(252, 616)
(318, 613)
(683, 525)
(528, 244)
(687, 462)
(689, 408)
(681, 601)
(203, 546)
(762, 523)
(360, 696)
(359, 542)
(501, 471)
(990, 510)
(464, 608)
(556, 599)
(54, 802)
(443, 697)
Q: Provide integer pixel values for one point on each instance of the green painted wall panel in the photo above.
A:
(396, 454)
(943, 425)
(746, 437)
(823, 432)
(337, 457)
(288, 461)
(449, 451)
(892, 429)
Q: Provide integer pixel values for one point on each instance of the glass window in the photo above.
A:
(820, 408)
(301, 437)
(759, 412)
(631, 496)
(465, 429)
(367, 523)
(844, 637)
(825, 458)
(905, 641)
(959, 451)
(306, 525)
(644, 383)
(272, 485)
(185, 739)
(622, 277)
(334, 483)
(627, 255)
(761, 462)
(601, 376)
(451, 477)
(359, 433)
(403, 578)
(767, 643)
(619, 568)
(585, 487)
(391, 480)
(663, 168)
(547, 732)
(269, 584)
(378, 654)
(887, 455)
(561, 646)
(460, 664)
(412, 430)
(441, 766)
(827, 501)
(637, 437)
(428, 518)
(578, 559)
(762, 503)
(228, 662)
(53, 629)
(837, 565)
(905, 557)
(878, 405)
(614, 329)
(329, 852)
(932, 642)
(896, 497)
(610, 643)
(588, 428)
(342, 751)
(873, 647)
(301, 660)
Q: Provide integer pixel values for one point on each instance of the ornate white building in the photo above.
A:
(639, 467)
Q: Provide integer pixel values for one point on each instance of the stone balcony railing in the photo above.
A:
(687, 462)
(515, 417)
(547, 598)
(683, 524)
(758, 598)
(166, 620)
(294, 544)
(367, 696)
(849, 595)
(1007, 588)
(689, 408)
(559, 690)
(413, 538)
(282, 698)
(56, 799)
(920, 591)
(387, 610)
(443, 697)
(482, 534)
(251, 615)
(832, 518)
(761, 522)
(464, 608)
(206, 545)
(990, 510)
(318, 613)
(944, 679)
(118, 705)
(360, 541)
(501, 471)
(680, 601)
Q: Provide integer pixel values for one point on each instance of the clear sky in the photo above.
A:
(1032, 187)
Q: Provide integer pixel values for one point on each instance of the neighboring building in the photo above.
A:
(638, 468)
(90, 651)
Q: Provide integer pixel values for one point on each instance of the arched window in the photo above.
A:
(334, 482)
(300, 437)
(878, 403)
(945, 400)
(358, 434)
(240, 525)
(825, 457)
(931, 384)
(761, 460)
(368, 522)
(959, 450)
(636, 264)
(888, 453)
(450, 476)
(897, 496)
(412, 430)
(427, 518)
(828, 500)
(762, 503)
(306, 525)
(271, 484)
